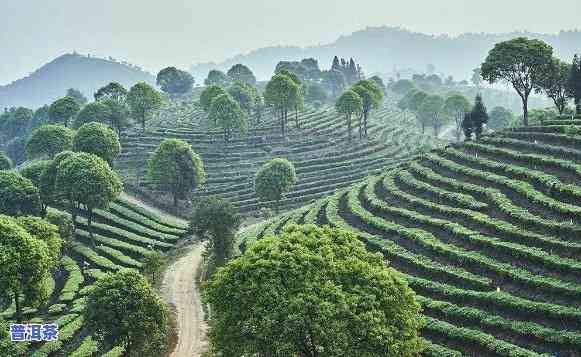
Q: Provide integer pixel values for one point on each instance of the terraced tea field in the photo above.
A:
(487, 233)
(123, 235)
(322, 156)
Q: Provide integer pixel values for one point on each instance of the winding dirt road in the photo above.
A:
(179, 288)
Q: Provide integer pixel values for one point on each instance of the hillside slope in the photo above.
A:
(487, 233)
(52, 80)
(381, 48)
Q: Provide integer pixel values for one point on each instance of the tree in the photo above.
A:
(244, 95)
(315, 92)
(241, 73)
(415, 101)
(113, 90)
(554, 83)
(46, 232)
(174, 81)
(33, 172)
(403, 86)
(274, 179)
(500, 117)
(5, 162)
(143, 101)
(431, 112)
(208, 96)
(19, 195)
(26, 265)
(176, 168)
(217, 221)
(92, 112)
(281, 94)
(456, 107)
(574, 83)
(226, 113)
(125, 310)
(349, 104)
(7, 347)
(520, 62)
(118, 114)
(217, 78)
(405, 101)
(335, 81)
(48, 140)
(15, 122)
(49, 194)
(63, 110)
(467, 127)
(86, 180)
(77, 95)
(479, 116)
(299, 103)
(476, 78)
(298, 290)
(379, 82)
(152, 265)
(97, 139)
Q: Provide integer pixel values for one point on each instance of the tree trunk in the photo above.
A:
(349, 126)
(578, 106)
(297, 118)
(143, 123)
(365, 117)
(18, 307)
(175, 200)
(423, 128)
(89, 227)
(525, 107)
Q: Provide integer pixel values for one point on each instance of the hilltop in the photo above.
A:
(381, 48)
(52, 80)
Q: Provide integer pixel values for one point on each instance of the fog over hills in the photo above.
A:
(380, 49)
(51, 81)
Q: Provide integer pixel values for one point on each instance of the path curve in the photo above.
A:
(180, 289)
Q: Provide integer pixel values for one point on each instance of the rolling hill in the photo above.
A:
(52, 80)
(486, 233)
(382, 48)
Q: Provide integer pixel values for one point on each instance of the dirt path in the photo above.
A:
(179, 288)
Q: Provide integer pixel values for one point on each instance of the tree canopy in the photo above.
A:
(297, 289)
(478, 115)
(554, 83)
(19, 195)
(92, 112)
(77, 95)
(403, 86)
(208, 96)
(499, 118)
(274, 179)
(49, 193)
(349, 104)
(5, 162)
(97, 139)
(125, 310)
(282, 95)
(520, 62)
(113, 90)
(174, 81)
(217, 78)
(574, 83)
(143, 100)
(48, 140)
(63, 110)
(226, 113)
(241, 73)
(431, 112)
(456, 106)
(176, 168)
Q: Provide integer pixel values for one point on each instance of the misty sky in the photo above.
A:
(154, 34)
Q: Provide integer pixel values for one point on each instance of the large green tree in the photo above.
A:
(335, 81)
(216, 220)
(456, 106)
(350, 105)
(48, 140)
(143, 100)
(114, 97)
(63, 110)
(19, 195)
(241, 73)
(15, 122)
(217, 78)
(310, 292)
(97, 139)
(77, 95)
(86, 181)
(208, 96)
(520, 62)
(92, 112)
(245, 95)
(49, 193)
(176, 168)
(274, 179)
(554, 83)
(226, 113)
(25, 265)
(574, 83)
(34, 171)
(125, 310)
(113, 91)
(402, 86)
(282, 95)
(478, 116)
(499, 118)
(174, 81)
(431, 112)
(300, 101)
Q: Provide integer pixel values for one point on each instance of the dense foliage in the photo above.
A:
(97, 139)
(19, 195)
(5, 162)
(48, 140)
(63, 110)
(274, 179)
(143, 100)
(174, 81)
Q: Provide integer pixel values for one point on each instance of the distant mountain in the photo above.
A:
(381, 49)
(52, 80)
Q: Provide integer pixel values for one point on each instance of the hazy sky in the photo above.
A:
(154, 34)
